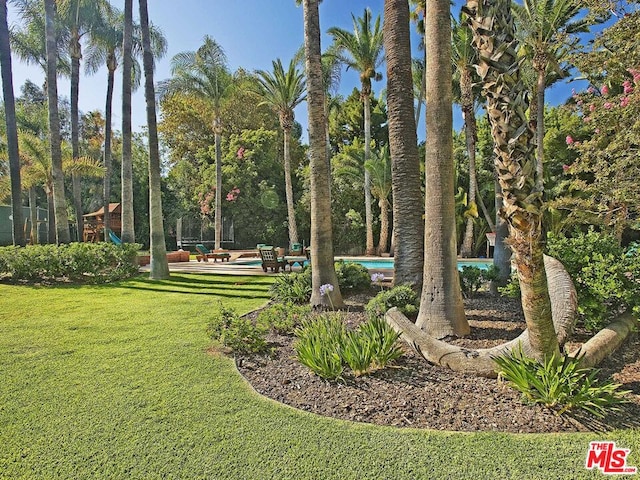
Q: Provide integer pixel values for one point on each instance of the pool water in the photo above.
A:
(387, 264)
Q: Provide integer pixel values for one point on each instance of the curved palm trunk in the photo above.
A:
(12, 129)
(368, 215)
(408, 226)
(107, 145)
(126, 199)
(494, 37)
(159, 268)
(470, 137)
(441, 307)
(75, 52)
(291, 211)
(59, 202)
(323, 270)
(541, 86)
(217, 128)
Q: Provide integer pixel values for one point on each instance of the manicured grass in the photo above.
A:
(116, 382)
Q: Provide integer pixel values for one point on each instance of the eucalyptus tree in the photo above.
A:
(362, 50)
(59, 202)
(12, 129)
(159, 269)
(284, 91)
(323, 269)
(106, 49)
(408, 226)
(204, 74)
(545, 29)
(441, 308)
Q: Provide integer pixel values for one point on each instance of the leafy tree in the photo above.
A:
(362, 50)
(283, 91)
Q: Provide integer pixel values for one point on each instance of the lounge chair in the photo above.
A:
(205, 254)
(270, 259)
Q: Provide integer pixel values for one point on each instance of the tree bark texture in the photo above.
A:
(159, 268)
(106, 192)
(469, 116)
(540, 90)
(128, 228)
(368, 213)
(322, 264)
(217, 128)
(441, 307)
(291, 211)
(59, 201)
(408, 225)
(12, 129)
(75, 52)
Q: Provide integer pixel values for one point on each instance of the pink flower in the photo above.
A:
(604, 90)
(587, 119)
(240, 153)
(624, 102)
(569, 140)
(607, 105)
(592, 108)
(597, 130)
(566, 168)
(591, 90)
(627, 87)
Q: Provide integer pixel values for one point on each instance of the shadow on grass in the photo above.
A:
(218, 292)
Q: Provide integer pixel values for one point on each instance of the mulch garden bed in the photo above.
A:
(414, 393)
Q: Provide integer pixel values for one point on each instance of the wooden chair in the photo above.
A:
(270, 259)
(205, 254)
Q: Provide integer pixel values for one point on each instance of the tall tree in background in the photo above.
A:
(494, 38)
(59, 202)
(323, 269)
(204, 74)
(379, 168)
(126, 198)
(12, 129)
(408, 226)
(159, 266)
(284, 91)
(441, 307)
(362, 50)
(545, 28)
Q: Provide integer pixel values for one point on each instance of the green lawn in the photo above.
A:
(115, 382)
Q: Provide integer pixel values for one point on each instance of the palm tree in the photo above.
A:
(408, 226)
(126, 167)
(545, 28)
(494, 37)
(106, 48)
(441, 308)
(362, 51)
(323, 269)
(283, 91)
(464, 56)
(204, 74)
(159, 266)
(379, 168)
(12, 129)
(59, 203)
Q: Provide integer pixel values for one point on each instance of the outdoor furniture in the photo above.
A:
(270, 259)
(296, 249)
(204, 254)
(298, 255)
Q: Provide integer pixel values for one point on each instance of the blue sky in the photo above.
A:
(252, 33)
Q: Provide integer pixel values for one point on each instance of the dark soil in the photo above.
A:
(414, 393)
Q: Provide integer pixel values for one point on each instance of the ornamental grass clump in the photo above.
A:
(283, 318)
(560, 384)
(320, 343)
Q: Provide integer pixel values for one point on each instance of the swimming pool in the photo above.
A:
(387, 263)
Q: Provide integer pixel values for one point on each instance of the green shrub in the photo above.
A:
(383, 340)
(352, 276)
(559, 384)
(470, 280)
(512, 288)
(237, 333)
(283, 317)
(607, 279)
(320, 343)
(357, 352)
(87, 262)
(292, 287)
(403, 297)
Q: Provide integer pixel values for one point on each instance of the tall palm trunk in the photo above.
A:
(59, 202)
(217, 129)
(323, 270)
(368, 215)
(383, 203)
(12, 129)
(494, 37)
(501, 251)
(33, 213)
(111, 67)
(75, 52)
(159, 268)
(540, 67)
(291, 211)
(128, 229)
(408, 226)
(470, 136)
(441, 308)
